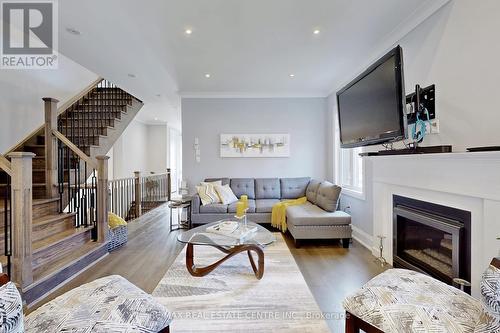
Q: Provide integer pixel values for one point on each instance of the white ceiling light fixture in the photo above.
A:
(156, 118)
(208, 75)
(292, 75)
(73, 31)
(188, 31)
(316, 31)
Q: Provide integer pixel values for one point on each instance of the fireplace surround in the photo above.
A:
(432, 239)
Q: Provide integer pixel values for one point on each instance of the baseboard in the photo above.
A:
(362, 237)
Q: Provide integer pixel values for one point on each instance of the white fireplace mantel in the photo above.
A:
(468, 181)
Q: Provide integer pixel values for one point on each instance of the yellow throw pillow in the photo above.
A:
(115, 221)
(207, 192)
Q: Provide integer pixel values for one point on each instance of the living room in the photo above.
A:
(231, 166)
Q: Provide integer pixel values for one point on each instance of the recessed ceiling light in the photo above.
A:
(156, 118)
(188, 31)
(208, 76)
(316, 31)
(73, 31)
(131, 75)
(292, 75)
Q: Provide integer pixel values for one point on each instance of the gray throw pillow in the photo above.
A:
(328, 196)
(312, 190)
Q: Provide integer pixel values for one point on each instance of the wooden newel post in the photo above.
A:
(50, 147)
(22, 217)
(169, 185)
(102, 198)
(138, 194)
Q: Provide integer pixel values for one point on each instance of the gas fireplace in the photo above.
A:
(431, 238)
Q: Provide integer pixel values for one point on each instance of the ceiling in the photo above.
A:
(249, 48)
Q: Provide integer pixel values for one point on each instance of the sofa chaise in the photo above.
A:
(318, 218)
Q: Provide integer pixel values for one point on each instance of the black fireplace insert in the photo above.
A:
(431, 238)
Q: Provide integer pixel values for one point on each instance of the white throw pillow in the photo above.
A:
(11, 309)
(207, 192)
(226, 194)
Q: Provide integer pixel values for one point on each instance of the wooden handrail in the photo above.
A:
(120, 179)
(5, 165)
(74, 148)
(76, 98)
(60, 110)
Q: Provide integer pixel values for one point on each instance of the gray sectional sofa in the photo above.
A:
(317, 218)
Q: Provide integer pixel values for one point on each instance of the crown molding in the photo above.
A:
(426, 9)
(150, 122)
(199, 94)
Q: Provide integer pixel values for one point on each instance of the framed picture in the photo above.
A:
(255, 145)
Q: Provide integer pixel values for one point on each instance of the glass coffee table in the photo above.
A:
(199, 236)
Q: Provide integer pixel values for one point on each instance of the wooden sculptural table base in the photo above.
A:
(230, 251)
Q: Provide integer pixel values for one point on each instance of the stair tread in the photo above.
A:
(36, 202)
(46, 219)
(34, 184)
(41, 245)
(44, 201)
(77, 126)
(65, 261)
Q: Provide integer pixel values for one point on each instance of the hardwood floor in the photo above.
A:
(330, 271)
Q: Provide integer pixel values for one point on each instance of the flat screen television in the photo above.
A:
(371, 109)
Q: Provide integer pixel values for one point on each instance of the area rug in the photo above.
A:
(231, 299)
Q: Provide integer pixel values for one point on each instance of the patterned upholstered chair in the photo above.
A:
(400, 300)
(109, 304)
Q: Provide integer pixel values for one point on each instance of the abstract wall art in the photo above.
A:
(255, 145)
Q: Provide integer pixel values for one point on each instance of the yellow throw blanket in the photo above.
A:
(278, 216)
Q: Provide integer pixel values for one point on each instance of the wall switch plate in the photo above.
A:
(434, 126)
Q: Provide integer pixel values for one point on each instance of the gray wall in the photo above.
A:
(305, 119)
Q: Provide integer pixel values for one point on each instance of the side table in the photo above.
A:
(178, 206)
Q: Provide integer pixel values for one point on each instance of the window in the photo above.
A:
(351, 170)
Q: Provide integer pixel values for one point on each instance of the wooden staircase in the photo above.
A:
(62, 246)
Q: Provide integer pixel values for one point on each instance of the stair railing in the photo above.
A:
(128, 196)
(89, 116)
(77, 190)
(155, 187)
(122, 196)
(6, 166)
(74, 177)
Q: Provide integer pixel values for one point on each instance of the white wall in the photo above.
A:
(305, 119)
(141, 147)
(130, 151)
(457, 49)
(157, 148)
(21, 93)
